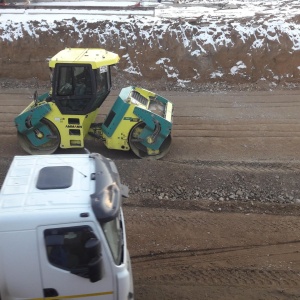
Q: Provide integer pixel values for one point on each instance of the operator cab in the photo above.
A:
(78, 89)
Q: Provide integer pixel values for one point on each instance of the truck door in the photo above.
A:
(71, 268)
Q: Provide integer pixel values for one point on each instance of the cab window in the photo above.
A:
(74, 88)
(66, 246)
(103, 85)
(74, 81)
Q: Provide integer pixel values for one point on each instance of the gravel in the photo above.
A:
(160, 85)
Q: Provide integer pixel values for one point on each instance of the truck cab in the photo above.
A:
(62, 229)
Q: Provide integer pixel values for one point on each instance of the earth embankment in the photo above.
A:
(262, 51)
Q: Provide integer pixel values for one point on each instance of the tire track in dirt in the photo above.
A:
(225, 277)
(187, 272)
(190, 248)
(256, 127)
(241, 166)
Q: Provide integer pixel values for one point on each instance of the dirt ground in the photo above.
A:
(218, 217)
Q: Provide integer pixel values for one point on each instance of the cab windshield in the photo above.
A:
(79, 89)
(114, 235)
(74, 81)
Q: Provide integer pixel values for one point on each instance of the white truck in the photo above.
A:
(62, 231)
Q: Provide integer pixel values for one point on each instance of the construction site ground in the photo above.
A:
(218, 217)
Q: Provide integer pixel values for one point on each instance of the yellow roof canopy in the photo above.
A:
(96, 57)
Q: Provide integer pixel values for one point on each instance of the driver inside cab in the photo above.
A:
(82, 81)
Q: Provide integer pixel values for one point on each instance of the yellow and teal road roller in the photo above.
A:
(139, 120)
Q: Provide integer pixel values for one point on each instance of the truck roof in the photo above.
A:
(96, 57)
(41, 184)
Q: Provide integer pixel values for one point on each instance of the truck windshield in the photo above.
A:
(114, 236)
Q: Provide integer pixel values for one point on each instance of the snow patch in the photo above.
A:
(236, 69)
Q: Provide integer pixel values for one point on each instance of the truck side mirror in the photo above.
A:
(93, 251)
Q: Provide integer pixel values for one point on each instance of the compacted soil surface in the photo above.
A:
(218, 216)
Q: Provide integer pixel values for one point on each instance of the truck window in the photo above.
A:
(66, 246)
(114, 236)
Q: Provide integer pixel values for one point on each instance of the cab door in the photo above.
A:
(67, 263)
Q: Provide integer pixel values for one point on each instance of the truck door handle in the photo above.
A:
(50, 292)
